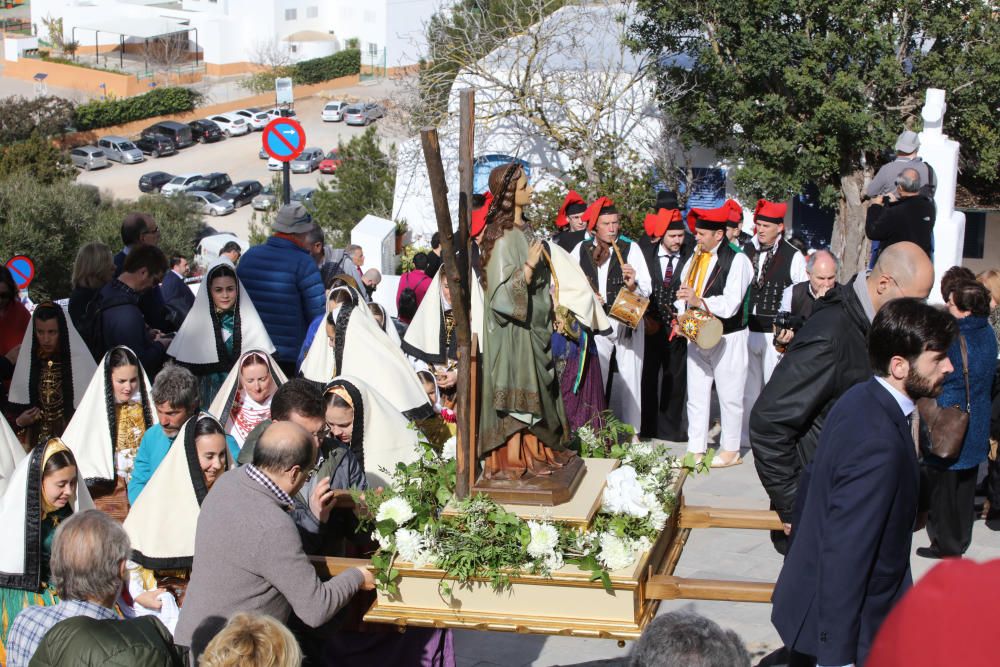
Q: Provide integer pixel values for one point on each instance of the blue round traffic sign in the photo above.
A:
(22, 269)
(284, 139)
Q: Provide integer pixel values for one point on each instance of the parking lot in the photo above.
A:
(236, 156)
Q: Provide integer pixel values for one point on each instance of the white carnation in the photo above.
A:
(396, 509)
(623, 494)
(448, 449)
(544, 539)
(616, 553)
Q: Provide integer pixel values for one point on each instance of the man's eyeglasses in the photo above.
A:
(149, 232)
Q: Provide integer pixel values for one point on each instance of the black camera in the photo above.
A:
(785, 320)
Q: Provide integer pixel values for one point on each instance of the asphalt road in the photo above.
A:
(236, 156)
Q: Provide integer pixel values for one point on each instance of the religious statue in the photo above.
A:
(522, 428)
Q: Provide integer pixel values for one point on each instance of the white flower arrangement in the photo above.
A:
(616, 553)
(412, 547)
(396, 509)
(448, 449)
(544, 539)
(623, 494)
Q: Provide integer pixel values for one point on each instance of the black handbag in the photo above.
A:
(946, 427)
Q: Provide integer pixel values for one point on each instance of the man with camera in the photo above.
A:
(798, 300)
(777, 265)
(904, 215)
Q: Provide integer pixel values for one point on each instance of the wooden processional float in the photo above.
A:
(568, 602)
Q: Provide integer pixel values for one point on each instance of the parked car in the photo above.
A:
(180, 183)
(179, 133)
(232, 124)
(155, 145)
(154, 180)
(276, 113)
(255, 118)
(211, 203)
(206, 131)
(274, 165)
(304, 195)
(308, 161)
(333, 111)
(363, 114)
(266, 199)
(242, 192)
(215, 182)
(263, 154)
(88, 157)
(120, 150)
(330, 163)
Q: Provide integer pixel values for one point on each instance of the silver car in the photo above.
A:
(211, 203)
(88, 157)
(308, 161)
(120, 150)
(363, 113)
(265, 200)
(180, 183)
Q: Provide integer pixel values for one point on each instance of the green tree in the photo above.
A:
(38, 158)
(363, 184)
(48, 116)
(803, 93)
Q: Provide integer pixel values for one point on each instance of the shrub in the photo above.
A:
(342, 63)
(157, 102)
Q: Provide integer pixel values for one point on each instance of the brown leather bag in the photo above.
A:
(946, 427)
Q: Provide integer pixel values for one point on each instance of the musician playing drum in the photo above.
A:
(715, 279)
(620, 352)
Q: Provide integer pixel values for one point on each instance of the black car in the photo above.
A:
(206, 131)
(216, 183)
(153, 181)
(155, 145)
(242, 193)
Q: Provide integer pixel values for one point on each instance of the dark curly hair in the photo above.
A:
(503, 184)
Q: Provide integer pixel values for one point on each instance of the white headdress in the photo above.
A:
(21, 517)
(222, 404)
(92, 432)
(199, 341)
(382, 436)
(11, 453)
(161, 524)
(77, 362)
(425, 337)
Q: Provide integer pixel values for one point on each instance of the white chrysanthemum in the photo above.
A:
(409, 545)
(657, 517)
(649, 483)
(544, 539)
(616, 553)
(622, 493)
(448, 448)
(642, 544)
(554, 561)
(383, 542)
(396, 509)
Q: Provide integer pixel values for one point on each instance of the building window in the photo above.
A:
(293, 48)
(708, 188)
(291, 14)
(312, 12)
(975, 235)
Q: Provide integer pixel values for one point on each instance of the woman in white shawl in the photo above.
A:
(244, 400)
(106, 431)
(161, 525)
(355, 345)
(44, 488)
(220, 325)
(377, 433)
(50, 376)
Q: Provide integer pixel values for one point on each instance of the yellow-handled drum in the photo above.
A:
(700, 327)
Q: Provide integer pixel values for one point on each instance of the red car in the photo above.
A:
(330, 163)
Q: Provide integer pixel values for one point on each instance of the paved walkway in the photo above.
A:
(710, 553)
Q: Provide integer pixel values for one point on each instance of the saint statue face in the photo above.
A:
(522, 195)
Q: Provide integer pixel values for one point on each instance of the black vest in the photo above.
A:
(661, 301)
(802, 300)
(716, 283)
(615, 280)
(766, 299)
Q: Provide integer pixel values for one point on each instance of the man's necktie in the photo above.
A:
(668, 275)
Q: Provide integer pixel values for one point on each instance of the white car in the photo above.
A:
(256, 119)
(274, 165)
(180, 183)
(211, 203)
(333, 111)
(233, 125)
(277, 113)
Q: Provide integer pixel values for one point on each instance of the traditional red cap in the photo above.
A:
(657, 224)
(593, 211)
(958, 597)
(735, 212)
(770, 211)
(479, 215)
(708, 218)
(572, 198)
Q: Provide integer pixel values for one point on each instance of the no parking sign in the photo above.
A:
(22, 269)
(284, 139)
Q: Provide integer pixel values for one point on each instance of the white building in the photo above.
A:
(230, 32)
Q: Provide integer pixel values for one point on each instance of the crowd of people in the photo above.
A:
(154, 434)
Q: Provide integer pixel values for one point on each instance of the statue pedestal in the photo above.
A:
(548, 490)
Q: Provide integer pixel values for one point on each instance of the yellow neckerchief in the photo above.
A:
(52, 447)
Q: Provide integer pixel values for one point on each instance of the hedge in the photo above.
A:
(342, 63)
(115, 111)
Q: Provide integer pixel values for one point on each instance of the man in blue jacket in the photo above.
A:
(849, 560)
(284, 284)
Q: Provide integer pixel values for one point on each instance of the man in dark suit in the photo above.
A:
(904, 215)
(178, 296)
(849, 560)
(664, 397)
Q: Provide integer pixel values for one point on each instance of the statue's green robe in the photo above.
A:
(520, 388)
